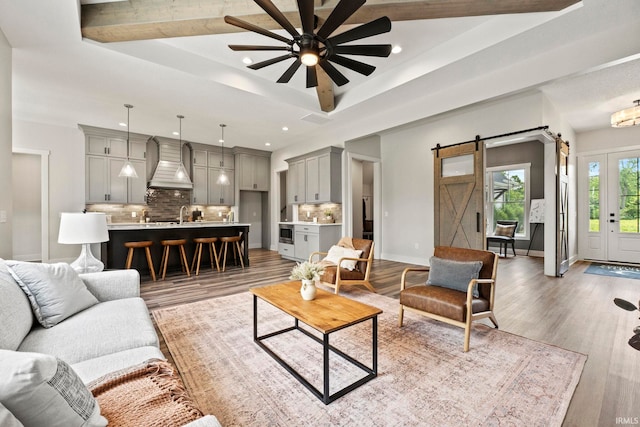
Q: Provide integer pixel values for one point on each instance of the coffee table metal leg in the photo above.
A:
(325, 360)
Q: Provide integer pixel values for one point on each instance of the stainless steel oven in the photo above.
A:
(286, 233)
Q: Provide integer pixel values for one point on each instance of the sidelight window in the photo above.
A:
(508, 196)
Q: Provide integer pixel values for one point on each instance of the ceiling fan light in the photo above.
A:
(310, 59)
(626, 117)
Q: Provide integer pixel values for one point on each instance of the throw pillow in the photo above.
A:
(55, 291)
(504, 230)
(41, 390)
(337, 252)
(454, 274)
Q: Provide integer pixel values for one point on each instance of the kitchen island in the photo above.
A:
(114, 254)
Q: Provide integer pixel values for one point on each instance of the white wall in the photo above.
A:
(607, 140)
(66, 175)
(6, 243)
(27, 207)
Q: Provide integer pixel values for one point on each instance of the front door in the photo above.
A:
(623, 198)
(458, 199)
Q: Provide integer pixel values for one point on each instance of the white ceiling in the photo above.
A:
(445, 64)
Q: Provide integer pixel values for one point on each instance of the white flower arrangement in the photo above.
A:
(306, 271)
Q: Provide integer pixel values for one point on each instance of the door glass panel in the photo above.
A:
(594, 197)
(629, 194)
(457, 166)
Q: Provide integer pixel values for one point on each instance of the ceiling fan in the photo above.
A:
(313, 47)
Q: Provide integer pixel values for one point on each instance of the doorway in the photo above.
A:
(30, 194)
(362, 198)
(610, 190)
(253, 211)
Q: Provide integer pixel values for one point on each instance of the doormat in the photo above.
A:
(624, 271)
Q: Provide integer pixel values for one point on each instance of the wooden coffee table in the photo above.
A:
(327, 313)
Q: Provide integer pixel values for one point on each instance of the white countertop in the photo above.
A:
(163, 225)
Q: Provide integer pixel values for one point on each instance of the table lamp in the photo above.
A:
(84, 229)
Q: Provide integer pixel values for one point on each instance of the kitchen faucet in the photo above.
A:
(185, 208)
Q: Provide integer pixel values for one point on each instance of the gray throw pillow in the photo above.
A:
(453, 274)
(55, 291)
(42, 390)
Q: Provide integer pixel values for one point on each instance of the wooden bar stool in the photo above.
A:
(165, 255)
(213, 253)
(235, 245)
(146, 244)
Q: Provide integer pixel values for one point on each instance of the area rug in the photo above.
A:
(625, 271)
(424, 377)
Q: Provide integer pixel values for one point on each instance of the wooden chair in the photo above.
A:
(335, 277)
(449, 305)
(504, 235)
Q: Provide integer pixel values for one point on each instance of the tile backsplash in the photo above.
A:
(308, 212)
(162, 205)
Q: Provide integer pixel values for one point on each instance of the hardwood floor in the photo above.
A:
(575, 312)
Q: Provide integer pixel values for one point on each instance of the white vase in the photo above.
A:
(308, 289)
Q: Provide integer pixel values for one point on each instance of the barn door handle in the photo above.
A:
(478, 222)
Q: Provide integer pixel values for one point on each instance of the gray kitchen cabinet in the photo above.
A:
(313, 238)
(138, 150)
(200, 185)
(296, 182)
(200, 158)
(315, 177)
(220, 194)
(106, 146)
(253, 172)
(216, 161)
(102, 181)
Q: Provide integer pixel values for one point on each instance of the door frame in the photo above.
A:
(44, 197)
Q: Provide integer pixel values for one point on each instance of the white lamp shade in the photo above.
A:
(79, 228)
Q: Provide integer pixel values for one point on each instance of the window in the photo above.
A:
(629, 195)
(594, 197)
(508, 196)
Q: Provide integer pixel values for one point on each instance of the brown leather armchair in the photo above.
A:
(335, 277)
(449, 305)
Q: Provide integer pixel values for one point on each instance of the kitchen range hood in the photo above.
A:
(168, 162)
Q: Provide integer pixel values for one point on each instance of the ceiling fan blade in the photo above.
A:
(277, 16)
(337, 77)
(268, 62)
(251, 27)
(306, 15)
(373, 28)
(343, 10)
(312, 77)
(240, 47)
(382, 50)
(354, 65)
(286, 76)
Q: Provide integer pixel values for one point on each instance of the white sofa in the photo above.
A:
(111, 335)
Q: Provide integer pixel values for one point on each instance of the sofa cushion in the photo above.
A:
(101, 329)
(7, 419)
(16, 316)
(453, 274)
(40, 389)
(91, 369)
(55, 291)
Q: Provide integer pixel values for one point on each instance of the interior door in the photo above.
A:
(458, 201)
(623, 207)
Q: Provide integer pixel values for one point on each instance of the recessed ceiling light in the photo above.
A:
(268, 144)
(123, 124)
(176, 133)
(246, 60)
(284, 128)
(396, 49)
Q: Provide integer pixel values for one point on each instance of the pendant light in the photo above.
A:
(223, 179)
(128, 171)
(181, 172)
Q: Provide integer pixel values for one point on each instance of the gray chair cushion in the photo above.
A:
(453, 274)
(16, 316)
(104, 328)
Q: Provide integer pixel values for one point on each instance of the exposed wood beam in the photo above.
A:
(155, 19)
(325, 91)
